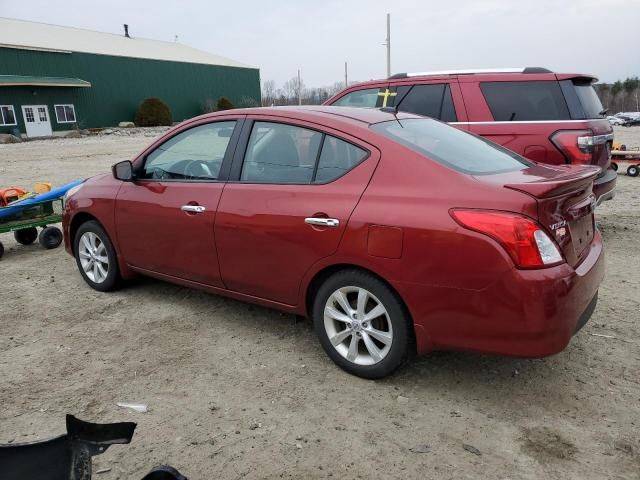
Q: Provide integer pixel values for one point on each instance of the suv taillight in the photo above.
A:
(576, 145)
(524, 240)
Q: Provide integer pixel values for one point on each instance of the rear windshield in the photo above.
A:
(522, 101)
(588, 99)
(451, 147)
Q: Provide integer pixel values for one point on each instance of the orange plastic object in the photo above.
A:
(10, 194)
(42, 187)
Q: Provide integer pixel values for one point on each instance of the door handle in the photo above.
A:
(193, 208)
(322, 222)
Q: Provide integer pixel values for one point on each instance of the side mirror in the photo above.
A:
(123, 171)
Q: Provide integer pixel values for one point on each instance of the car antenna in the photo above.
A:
(394, 112)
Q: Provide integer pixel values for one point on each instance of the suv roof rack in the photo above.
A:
(471, 71)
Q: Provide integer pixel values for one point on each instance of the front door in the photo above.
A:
(165, 217)
(36, 120)
(288, 206)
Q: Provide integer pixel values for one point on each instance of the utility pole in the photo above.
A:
(299, 89)
(346, 79)
(388, 44)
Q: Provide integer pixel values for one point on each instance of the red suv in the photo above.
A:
(548, 117)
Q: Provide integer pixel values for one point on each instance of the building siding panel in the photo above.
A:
(120, 84)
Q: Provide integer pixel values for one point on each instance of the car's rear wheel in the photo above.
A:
(362, 324)
(633, 170)
(614, 166)
(96, 258)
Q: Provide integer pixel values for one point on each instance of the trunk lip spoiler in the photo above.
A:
(551, 187)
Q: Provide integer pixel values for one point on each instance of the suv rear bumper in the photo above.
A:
(605, 185)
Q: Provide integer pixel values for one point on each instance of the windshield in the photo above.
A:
(451, 147)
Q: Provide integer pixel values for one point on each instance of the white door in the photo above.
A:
(36, 119)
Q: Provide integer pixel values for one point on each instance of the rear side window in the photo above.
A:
(521, 101)
(360, 98)
(337, 158)
(279, 153)
(431, 101)
(451, 147)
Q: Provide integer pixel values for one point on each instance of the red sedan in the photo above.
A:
(396, 234)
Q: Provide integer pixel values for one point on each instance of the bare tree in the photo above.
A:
(268, 92)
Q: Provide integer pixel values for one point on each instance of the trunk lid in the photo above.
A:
(565, 203)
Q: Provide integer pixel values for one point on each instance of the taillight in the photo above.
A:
(526, 242)
(576, 145)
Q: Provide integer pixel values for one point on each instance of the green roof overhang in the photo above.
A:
(32, 81)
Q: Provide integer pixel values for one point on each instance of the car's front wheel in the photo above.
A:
(362, 324)
(96, 257)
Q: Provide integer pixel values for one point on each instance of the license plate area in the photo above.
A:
(582, 233)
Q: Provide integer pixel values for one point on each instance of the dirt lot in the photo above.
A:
(238, 391)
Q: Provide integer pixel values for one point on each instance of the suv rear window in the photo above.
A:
(531, 100)
(588, 99)
(451, 147)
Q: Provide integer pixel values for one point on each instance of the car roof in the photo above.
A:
(321, 114)
(491, 74)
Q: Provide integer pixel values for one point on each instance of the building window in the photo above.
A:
(65, 113)
(7, 115)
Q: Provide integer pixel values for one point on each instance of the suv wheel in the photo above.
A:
(362, 325)
(96, 257)
(633, 170)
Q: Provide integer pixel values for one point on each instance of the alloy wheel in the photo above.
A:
(358, 325)
(93, 256)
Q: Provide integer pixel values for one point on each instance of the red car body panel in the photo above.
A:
(461, 288)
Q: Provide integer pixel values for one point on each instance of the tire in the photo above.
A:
(50, 237)
(394, 330)
(1, 249)
(26, 236)
(633, 170)
(92, 246)
(614, 166)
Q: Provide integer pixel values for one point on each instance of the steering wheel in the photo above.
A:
(197, 169)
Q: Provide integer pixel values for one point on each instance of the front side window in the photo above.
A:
(368, 98)
(285, 154)
(7, 115)
(451, 147)
(527, 100)
(195, 154)
(429, 100)
(65, 113)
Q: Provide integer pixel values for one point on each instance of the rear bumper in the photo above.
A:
(604, 186)
(525, 313)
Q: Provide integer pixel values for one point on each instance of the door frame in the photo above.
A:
(35, 112)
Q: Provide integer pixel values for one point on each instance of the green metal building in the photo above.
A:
(54, 79)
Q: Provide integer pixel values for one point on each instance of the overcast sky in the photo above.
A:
(601, 37)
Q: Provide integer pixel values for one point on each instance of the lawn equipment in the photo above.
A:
(623, 157)
(22, 213)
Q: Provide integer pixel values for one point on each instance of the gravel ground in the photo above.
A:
(239, 391)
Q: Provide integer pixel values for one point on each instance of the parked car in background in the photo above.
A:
(613, 120)
(396, 234)
(553, 118)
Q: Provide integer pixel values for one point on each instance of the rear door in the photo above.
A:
(292, 190)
